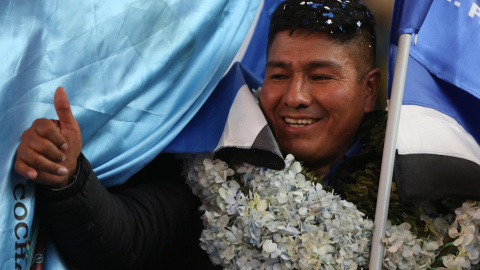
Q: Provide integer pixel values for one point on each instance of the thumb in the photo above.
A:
(62, 107)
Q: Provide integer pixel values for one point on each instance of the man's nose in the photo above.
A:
(298, 94)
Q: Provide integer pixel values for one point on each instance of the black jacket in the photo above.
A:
(150, 222)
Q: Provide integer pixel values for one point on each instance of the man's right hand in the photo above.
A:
(49, 149)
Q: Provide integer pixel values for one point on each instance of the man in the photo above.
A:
(319, 83)
(320, 79)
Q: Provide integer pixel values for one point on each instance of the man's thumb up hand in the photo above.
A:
(49, 149)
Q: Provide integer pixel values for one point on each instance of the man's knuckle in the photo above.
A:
(36, 122)
(44, 130)
(39, 163)
(52, 154)
(18, 166)
(20, 149)
(26, 134)
(39, 122)
(34, 162)
(22, 153)
(42, 148)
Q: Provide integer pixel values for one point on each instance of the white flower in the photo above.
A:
(282, 198)
(267, 219)
(269, 246)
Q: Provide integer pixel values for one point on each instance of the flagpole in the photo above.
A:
(388, 159)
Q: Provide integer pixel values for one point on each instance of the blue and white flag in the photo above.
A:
(438, 151)
(135, 71)
(231, 124)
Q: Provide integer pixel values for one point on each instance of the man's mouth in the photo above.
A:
(298, 123)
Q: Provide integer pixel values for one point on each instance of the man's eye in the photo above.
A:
(320, 77)
(278, 76)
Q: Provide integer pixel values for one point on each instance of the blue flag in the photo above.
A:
(438, 151)
(255, 58)
(231, 124)
(135, 71)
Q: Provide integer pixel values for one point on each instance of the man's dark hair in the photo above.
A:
(343, 20)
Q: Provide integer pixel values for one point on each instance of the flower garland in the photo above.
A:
(256, 218)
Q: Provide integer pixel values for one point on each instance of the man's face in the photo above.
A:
(313, 97)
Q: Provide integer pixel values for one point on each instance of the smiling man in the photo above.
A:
(320, 79)
(320, 83)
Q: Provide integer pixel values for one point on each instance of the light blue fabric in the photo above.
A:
(135, 71)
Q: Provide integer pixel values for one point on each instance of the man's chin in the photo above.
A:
(301, 154)
(303, 158)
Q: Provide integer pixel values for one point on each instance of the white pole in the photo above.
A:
(388, 159)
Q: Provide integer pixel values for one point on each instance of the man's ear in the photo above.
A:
(371, 83)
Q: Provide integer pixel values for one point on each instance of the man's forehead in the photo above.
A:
(311, 63)
(303, 40)
(301, 35)
(321, 49)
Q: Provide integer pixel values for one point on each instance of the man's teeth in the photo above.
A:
(299, 122)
